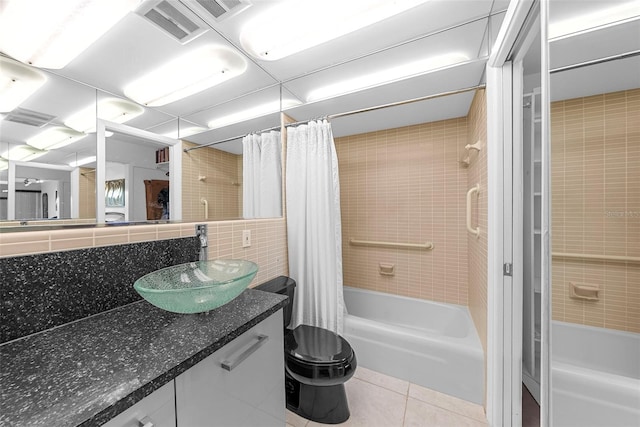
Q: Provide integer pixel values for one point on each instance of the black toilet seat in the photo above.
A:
(317, 356)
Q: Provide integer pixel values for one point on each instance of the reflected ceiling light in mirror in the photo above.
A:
(185, 132)
(606, 16)
(252, 113)
(50, 34)
(295, 25)
(112, 109)
(400, 72)
(186, 75)
(81, 162)
(4, 164)
(17, 83)
(23, 153)
(55, 137)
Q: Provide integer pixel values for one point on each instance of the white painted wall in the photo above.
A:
(135, 162)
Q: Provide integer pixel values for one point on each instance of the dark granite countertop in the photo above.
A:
(86, 372)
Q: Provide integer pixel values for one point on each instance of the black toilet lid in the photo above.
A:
(317, 345)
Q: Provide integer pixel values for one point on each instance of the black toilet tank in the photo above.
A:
(282, 285)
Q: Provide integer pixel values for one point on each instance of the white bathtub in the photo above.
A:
(427, 343)
(595, 376)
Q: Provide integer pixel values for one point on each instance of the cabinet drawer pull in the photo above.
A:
(231, 364)
(145, 422)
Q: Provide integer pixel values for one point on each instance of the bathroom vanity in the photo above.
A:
(138, 365)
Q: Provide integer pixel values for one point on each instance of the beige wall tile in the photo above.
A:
(407, 185)
(24, 248)
(595, 209)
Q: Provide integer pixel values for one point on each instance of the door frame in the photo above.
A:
(504, 337)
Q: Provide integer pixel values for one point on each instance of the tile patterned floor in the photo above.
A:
(380, 400)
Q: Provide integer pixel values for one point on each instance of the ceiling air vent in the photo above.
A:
(174, 19)
(28, 117)
(216, 10)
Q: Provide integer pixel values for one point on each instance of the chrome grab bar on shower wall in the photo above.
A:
(472, 230)
(425, 246)
(596, 257)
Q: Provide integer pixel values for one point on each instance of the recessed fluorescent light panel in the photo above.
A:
(580, 23)
(17, 83)
(50, 34)
(23, 153)
(112, 109)
(4, 164)
(55, 137)
(386, 76)
(251, 113)
(186, 75)
(296, 25)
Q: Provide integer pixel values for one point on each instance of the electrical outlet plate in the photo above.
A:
(246, 238)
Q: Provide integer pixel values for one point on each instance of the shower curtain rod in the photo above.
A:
(595, 61)
(392, 104)
(352, 112)
(186, 150)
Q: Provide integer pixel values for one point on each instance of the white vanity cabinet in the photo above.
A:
(155, 410)
(241, 384)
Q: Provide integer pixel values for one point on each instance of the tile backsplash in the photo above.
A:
(268, 244)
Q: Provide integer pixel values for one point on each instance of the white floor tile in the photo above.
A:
(380, 400)
(447, 402)
(382, 380)
(420, 414)
(372, 406)
(295, 420)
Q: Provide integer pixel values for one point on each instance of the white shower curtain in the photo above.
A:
(314, 226)
(262, 175)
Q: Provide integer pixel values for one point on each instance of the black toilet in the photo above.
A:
(317, 364)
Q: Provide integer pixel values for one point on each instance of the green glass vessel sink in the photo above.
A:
(197, 286)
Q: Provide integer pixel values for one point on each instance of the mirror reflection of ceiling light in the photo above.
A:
(17, 83)
(50, 34)
(185, 132)
(23, 153)
(594, 20)
(186, 75)
(296, 25)
(28, 181)
(81, 162)
(113, 109)
(4, 164)
(251, 113)
(389, 75)
(55, 137)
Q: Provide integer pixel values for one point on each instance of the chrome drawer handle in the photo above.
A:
(229, 365)
(146, 422)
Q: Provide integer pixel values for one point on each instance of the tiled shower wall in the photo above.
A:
(595, 150)
(477, 174)
(221, 183)
(87, 191)
(406, 185)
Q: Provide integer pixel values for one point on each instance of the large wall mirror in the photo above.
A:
(117, 78)
(595, 171)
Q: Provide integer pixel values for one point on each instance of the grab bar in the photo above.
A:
(596, 257)
(206, 207)
(472, 230)
(425, 246)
